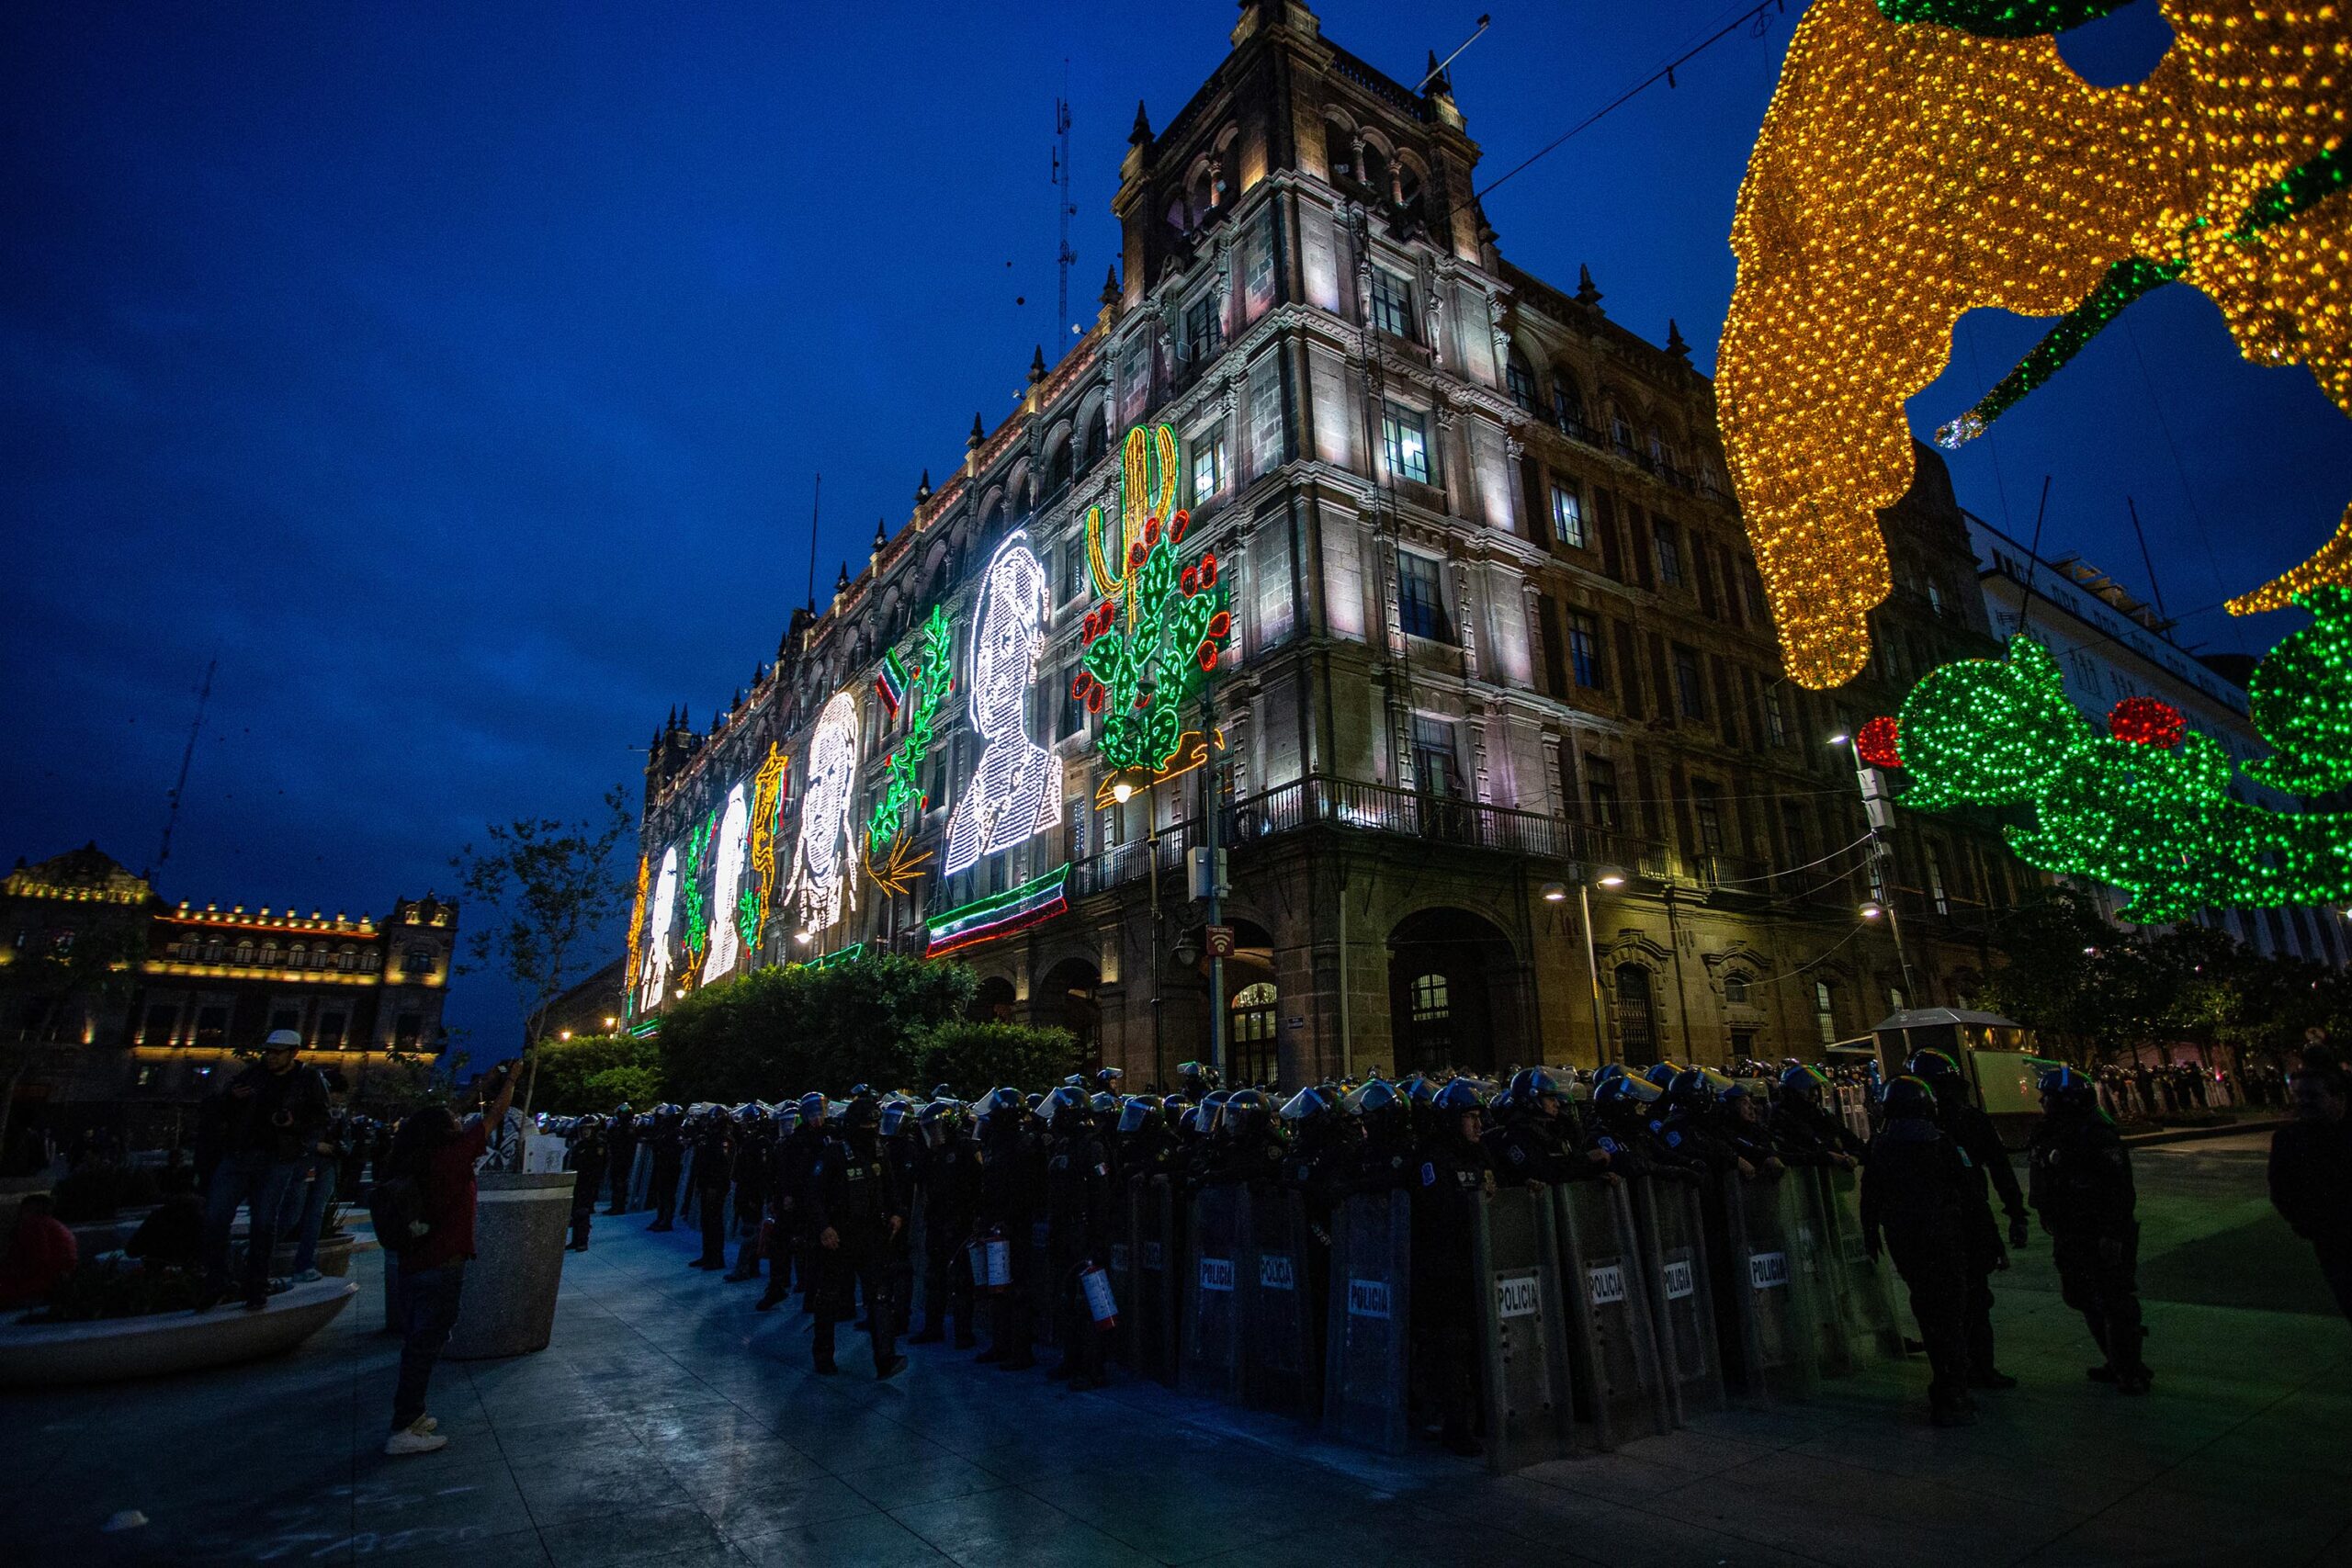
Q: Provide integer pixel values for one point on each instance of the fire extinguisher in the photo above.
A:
(1000, 1261)
(1100, 1304)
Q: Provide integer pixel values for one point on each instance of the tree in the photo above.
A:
(779, 1031)
(594, 1072)
(973, 1058)
(49, 983)
(550, 890)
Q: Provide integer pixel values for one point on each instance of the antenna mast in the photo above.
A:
(1063, 209)
(187, 756)
(816, 500)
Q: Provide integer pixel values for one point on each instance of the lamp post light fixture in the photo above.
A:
(1871, 909)
(1122, 791)
(1588, 878)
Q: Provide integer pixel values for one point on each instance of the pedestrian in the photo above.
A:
(1966, 1126)
(589, 1155)
(2082, 1189)
(1917, 1199)
(2310, 1170)
(855, 1212)
(310, 1195)
(275, 1112)
(41, 1253)
(437, 1155)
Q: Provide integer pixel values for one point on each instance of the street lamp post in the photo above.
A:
(1555, 893)
(1878, 813)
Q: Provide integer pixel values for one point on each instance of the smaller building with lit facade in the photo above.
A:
(210, 984)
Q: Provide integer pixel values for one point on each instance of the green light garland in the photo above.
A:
(901, 780)
(2154, 819)
(697, 899)
(2000, 18)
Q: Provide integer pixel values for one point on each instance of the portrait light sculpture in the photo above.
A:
(819, 859)
(726, 880)
(653, 977)
(1016, 789)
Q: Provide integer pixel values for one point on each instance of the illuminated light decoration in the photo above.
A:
(728, 887)
(2157, 821)
(636, 927)
(1157, 634)
(693, 894)
(820, 858)
(890, 683)
(2298, 699)
(2145, 721)
(855, 950)
(1016, 788)
(767, 822)
(1192, 750)
(999, 914)
(885, 835)
(1876, 742)
(2331, 566)
(1925, 158)
(653, 978)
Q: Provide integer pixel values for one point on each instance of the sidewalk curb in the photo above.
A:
(2194, 1134)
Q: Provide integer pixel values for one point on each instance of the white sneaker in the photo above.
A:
(425, 1424)
(410, 1439)
(309, 1277)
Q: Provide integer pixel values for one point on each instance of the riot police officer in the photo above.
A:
(1969, 1127)
(1535, 1136)
(1804, 1126)
(669, 1158)
(587, 1157)
(1078, 1234)
(714, 1170)
(949, 1179)
(1915, 1195)
(1384, 1155)
(794, 1163)
(776, 1239)
(855, 1212)
(751, 1187)
(1008, 1209)
(2081, 1177)
(621, 1137)
(1455, 1177)
(1248, 1147)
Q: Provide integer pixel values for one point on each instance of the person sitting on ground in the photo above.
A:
(40, 1253)
(172, 1235)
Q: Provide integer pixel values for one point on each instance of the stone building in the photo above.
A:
(206, 985)
(1498, 650)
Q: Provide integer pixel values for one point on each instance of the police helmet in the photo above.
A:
(812, 1107)
(1422, 1091)
(1931, 1064)
(1064, 1106)
(1003, 1102)
(1528, 1083)
(894, 1116)
(1104, 1103)
(862, 1111)
(1805, 1082)
(622, 1108)
(1307, 1105)
(1458, 1099)
(1034, 1099)
(787, 1117)
(590, 1121)
(1107, 1079)
(1691, 1086)
(1246, 1111)
(1139, 1112)
(1908, 1098)
(2064, 1088)
(747, 1114)
(1377, 1094)
(1625, 1090)
(941, 1091)
(1606, 1071)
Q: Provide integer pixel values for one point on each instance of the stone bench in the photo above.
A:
(112, 1350)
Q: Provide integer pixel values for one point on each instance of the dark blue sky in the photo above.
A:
(457, 373)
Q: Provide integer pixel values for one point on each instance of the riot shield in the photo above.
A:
(1041, 1282)
(1213, 1299)
(1160, 1261)
(1859, 1298)
(1668, 1223)
(641, 1178)
(1775, 1280)
(1523, 1355)
(1612, 1336)
(917, 1264)
(1121, 1266)
(1280, 1364)
(1364, 1360)
(686, 1187)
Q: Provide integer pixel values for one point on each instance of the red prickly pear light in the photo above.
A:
(1876, 742)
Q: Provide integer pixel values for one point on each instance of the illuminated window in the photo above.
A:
(1420, 598)
(1601, 790)
(1431, 1002)
(1405, 436)
(1208, 466)
(1567, 517)
(1776, 716)
(1433, 759)
(1568, 407)
(1636, 1025)
(1204, 330)
(1825, 1015)
(1392, 299)
(1521, 381)
(1583, 648)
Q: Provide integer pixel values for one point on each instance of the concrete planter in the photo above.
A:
(113, 1349)
(335, 1255)
(520, 1226)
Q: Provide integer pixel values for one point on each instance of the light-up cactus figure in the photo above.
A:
(1161, 625)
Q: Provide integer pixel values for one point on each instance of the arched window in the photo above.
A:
(1095, 440)
(1375, 169)
(1736, 988)
(1661, 449)
(1824, 1013)
(268, 952)
(1636, 1025)
(993, 523)
(1521, 381)
(244, 953)
(1251, 1056)
(1620, 430)
(1431, 1002)
(1057, 467)
(1567, 403)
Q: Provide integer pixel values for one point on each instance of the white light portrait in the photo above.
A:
(653, 975)
(1016, 790)
(820, 858)
(727, 886)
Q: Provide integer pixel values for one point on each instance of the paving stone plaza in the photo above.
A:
(670, 1423)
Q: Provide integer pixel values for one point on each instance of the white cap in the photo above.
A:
(282, 1040)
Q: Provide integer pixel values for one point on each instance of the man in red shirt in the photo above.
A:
(439, 1155)
(41, 1253)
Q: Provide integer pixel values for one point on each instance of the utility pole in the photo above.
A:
(816, 501)
(1214, 874)
(1063, 209)
(1878, 809)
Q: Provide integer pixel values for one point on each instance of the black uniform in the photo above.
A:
(590, 1156)
(2311, 1186)
(1452, 1179)
(1916, 1193)
(1009, 1206)
(1078, 1237)
(1807, 1133)
(950, 1177)
(853, 1197)
(622, 1137)
(714, 1167)
(669, 1157)
(752, 1165)
(1970, 1128)
(2082, 1189)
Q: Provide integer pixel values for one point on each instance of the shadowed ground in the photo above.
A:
(670, 1423)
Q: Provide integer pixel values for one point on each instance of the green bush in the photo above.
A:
(779, 1031)
(973, 1058)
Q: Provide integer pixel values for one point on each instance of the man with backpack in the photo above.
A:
(425, 1216)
